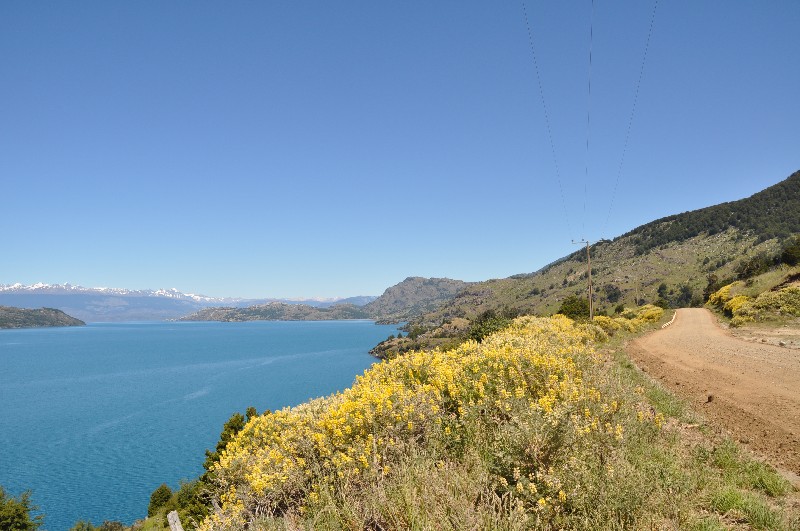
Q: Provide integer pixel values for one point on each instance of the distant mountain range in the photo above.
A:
(401, 302)
(118, 304)
(672, 260)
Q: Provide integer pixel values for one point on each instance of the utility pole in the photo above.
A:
(589, 265)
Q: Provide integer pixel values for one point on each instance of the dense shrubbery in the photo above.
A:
(630, 320)
(684, 297)
(790, 254)
(489, 322)
(781, 302)
(108, 525)
(575, 307)
(511, 431)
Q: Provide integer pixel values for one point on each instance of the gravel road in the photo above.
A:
(750, 389)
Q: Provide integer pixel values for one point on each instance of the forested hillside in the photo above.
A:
(771, 213)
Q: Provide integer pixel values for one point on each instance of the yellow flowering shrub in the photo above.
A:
(735, 304)
(631, 319)
(608, 324)
(723, 295)
(650, 313)
(525, 397)
(784, 302)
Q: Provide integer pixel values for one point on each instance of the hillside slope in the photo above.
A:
(414, 296)
(772, 213)
(34, 318)
(680, 251)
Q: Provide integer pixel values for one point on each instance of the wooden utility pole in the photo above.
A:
(589, 265)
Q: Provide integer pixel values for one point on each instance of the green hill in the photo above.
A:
(771, 213)
(26, 318)
(674, 261)
(413, 297)
(681, 251)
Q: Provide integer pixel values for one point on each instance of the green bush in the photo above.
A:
(755, 265)
(613, 293)
(487, 323)
(15, 513)
(790, 254)
(575, 307)
(158, 499)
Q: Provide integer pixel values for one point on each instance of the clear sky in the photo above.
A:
(319, 149)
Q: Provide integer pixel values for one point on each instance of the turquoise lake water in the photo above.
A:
(93, 419)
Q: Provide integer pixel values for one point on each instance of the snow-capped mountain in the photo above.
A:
(171, 293)
(120, 304)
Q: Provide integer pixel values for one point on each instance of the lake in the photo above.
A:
(94, 418)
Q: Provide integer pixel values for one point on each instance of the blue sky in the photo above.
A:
(319, 149)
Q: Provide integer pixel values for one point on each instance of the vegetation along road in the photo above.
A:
(750, 389)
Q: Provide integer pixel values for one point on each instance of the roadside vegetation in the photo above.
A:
(544, 424)
(766, 289)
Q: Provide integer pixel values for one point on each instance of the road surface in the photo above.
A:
(750, 389)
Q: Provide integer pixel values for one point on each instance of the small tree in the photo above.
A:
(613, 293)
(575, 307)
(159, 499)
(229, 430)
(15, 513)
(791, 252)
(662, 290)
(685, 297)
(488, 322)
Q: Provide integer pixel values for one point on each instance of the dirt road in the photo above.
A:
(750, 389)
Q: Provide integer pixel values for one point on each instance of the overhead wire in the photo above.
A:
(588, 121)
(546, 117)
(633, 112)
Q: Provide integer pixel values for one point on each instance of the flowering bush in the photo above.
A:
(525, 400)
(632, 319)
(784, 302)
(723, 295)
(769, 304)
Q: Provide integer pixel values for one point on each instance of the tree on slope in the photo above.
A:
(15, 513)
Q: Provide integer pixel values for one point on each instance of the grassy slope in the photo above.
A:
(614, 263)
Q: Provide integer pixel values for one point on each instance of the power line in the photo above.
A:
(588, 120)
(546, 116)
(633, 111)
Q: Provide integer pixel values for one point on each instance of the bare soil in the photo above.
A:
(750, 389)
(784, 335)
